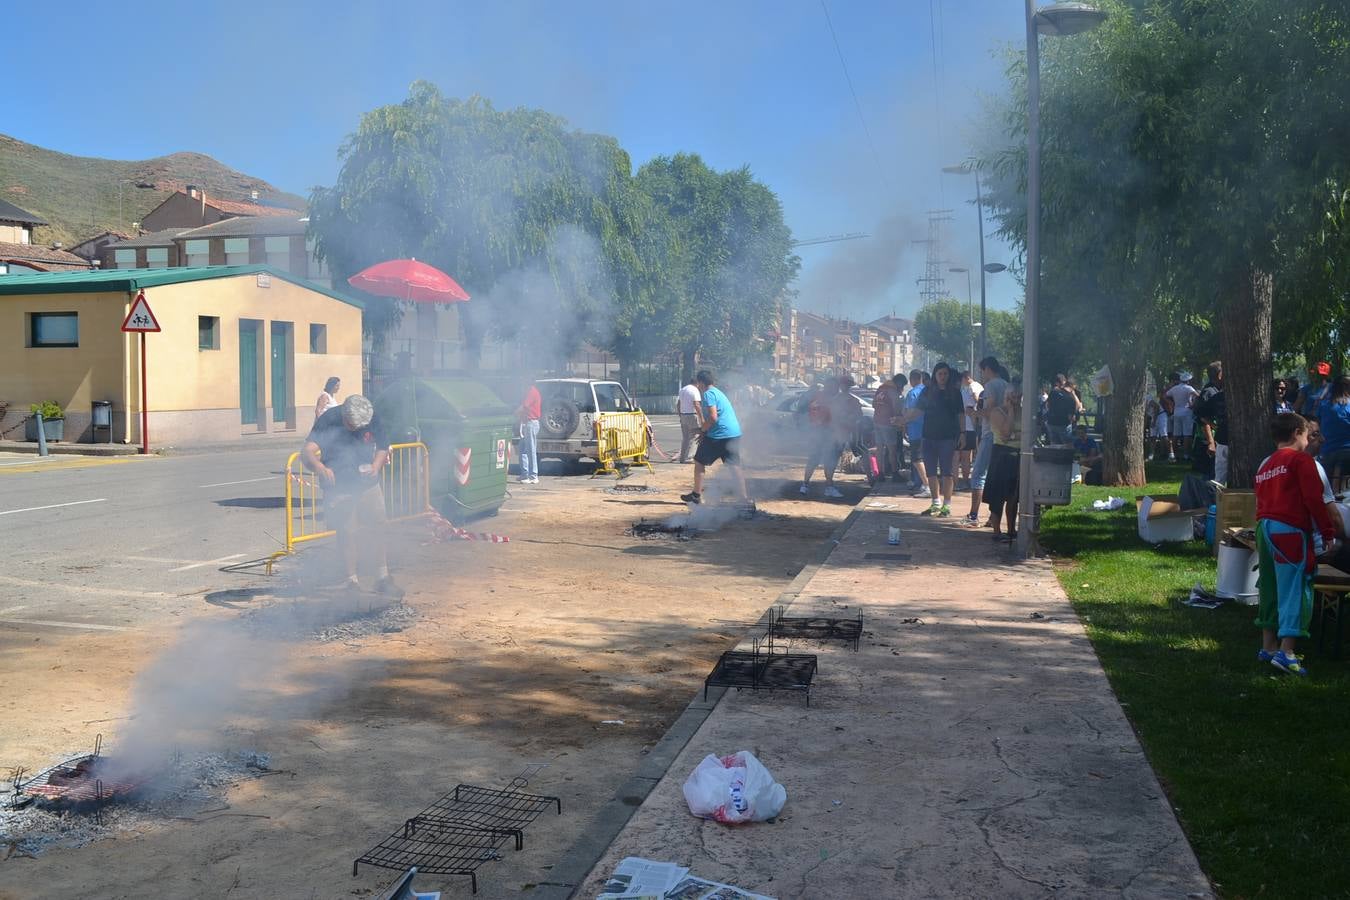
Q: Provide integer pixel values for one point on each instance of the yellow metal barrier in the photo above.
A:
(405, 481)
(621, 439)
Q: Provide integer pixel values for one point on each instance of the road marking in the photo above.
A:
(27, 462)
(49, 624)
(209, 562)
(245, 481)
(10, 512)
(59, 464)
(83, 589)
(5, 612)
(184, 564)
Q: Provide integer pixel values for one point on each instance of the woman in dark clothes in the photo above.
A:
(943, 410)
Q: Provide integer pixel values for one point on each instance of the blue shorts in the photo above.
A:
(937, 457)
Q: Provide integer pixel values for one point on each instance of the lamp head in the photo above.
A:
(994, 268)
(1065, 18)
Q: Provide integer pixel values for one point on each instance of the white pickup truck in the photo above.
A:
(569, 410)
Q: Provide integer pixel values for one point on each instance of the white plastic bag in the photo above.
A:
(733, 789)
(1102, 382)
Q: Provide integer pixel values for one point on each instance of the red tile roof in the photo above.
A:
(245, 208)
(42, 258)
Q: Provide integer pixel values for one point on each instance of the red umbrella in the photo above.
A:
(408, 279)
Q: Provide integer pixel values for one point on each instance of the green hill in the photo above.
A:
(82, 195)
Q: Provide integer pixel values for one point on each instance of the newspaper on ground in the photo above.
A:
(636, 878)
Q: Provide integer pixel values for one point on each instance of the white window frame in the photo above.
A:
(151, 262)
(120, 260)
(234, 249)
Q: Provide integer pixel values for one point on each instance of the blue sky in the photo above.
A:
(271, 88)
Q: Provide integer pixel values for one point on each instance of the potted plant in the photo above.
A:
(53, 421)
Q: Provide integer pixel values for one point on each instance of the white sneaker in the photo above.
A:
(832, 492)
(804, 490)
(534, 480)
(924, 492)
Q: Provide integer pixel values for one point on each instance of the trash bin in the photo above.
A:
(1237, 574)
(467, 429)
(100, 418)
(1051, 471)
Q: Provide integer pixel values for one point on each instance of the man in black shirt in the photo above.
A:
(1061, 409)
(346, 450)
(1211, 410)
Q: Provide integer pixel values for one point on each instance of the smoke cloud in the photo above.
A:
(863, 277)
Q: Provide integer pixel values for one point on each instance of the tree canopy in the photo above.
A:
(1194, 163)
(552, 233)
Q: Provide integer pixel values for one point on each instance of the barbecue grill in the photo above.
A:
(90, 778)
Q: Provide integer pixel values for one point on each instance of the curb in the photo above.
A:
(568, 873)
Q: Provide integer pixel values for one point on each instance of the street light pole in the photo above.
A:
(1063, 18)
(970, 309)
(984, 315)
(1031, 351)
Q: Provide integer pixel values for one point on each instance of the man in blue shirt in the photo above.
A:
(914, 432)
(721, 435)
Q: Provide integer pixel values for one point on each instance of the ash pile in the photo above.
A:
(93, 796)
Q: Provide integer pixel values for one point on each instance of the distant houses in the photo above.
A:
(811, 347)
(20, 253)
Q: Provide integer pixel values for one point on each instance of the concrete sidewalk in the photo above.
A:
(971, 748)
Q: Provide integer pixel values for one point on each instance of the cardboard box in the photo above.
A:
(1235, 509)
(1162, 519)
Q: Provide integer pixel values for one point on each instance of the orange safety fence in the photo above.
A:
(405, 481)
(621, 439)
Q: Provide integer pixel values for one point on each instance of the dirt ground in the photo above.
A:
(519, 656)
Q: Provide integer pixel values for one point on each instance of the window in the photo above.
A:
(610, 397)
(124, 259)
(236, 251)
(157, 258)
(318, 269)
(278, 252)
(318, 339)
(59, 329)
(198, 252)
(208, 332)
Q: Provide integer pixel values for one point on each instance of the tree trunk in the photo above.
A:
(1123, 435)
(1244, 346)
(688, 364)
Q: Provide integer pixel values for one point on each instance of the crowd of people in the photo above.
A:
(943, 432)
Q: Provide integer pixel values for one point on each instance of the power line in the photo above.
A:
(876, 157)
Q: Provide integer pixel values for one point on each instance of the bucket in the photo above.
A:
(1237, 574)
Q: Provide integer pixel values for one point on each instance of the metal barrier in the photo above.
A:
(405, 481)
(621, 439)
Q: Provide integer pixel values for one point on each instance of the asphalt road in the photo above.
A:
(108, 544)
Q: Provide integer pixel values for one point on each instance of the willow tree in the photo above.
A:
(722, 261)
(536, 220)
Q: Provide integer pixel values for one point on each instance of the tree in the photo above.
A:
(537, 221)
(718, 262)
(1187, 146)
(943, 326)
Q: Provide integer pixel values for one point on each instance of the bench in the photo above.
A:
(1330, 585)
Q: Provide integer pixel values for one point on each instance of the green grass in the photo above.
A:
(1256, 763)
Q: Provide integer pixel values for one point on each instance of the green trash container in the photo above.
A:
(461, 421)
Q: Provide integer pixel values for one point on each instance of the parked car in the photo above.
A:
(569, 411)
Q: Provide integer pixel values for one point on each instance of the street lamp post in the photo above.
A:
(970, 308)
(1056, 19)
(979, 212)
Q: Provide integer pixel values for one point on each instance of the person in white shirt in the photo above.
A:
(328, 397)
(970, 433)
(691, 418)
(1182, 395)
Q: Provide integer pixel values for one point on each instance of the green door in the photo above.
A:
(282, 347)
(248, 371)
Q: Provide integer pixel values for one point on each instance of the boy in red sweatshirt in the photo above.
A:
(1292, 527)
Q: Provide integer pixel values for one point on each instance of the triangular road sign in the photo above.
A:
(140, 318)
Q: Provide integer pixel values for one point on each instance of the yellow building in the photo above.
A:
(243, 350)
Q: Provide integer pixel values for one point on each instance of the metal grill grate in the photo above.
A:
(820, 628)
(759, 669)
(460, 831)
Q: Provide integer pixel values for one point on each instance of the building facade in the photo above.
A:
(242, 351)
